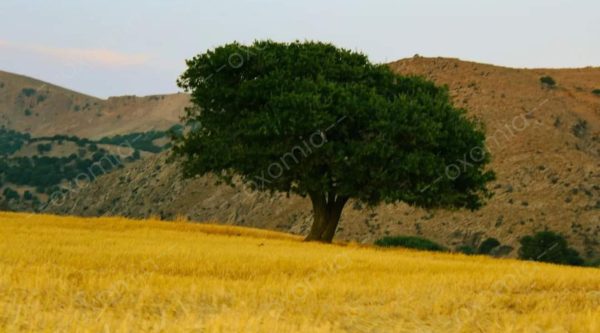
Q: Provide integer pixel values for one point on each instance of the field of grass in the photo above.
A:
(117, 275)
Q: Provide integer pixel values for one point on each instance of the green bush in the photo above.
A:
(44, 148)
(596, 92)
(593, 263)
(548, 246)
(28, 92)
(411, 242)
(10, 194)
(27, 196)
(11, 141)
(488, 245)
(466, 249)
(548, 81)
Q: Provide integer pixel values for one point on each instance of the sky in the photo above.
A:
(138, 47)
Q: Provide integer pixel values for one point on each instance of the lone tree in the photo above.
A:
(319, 121)
(547, 81)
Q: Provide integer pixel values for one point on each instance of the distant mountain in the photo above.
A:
(43, 109)
(545, 146)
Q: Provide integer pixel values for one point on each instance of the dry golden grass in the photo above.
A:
(118, 275)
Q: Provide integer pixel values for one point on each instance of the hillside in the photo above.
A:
(117, 275)
(43, 109)
(50, 135)
(545, 151)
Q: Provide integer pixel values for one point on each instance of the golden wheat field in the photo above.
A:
(116, 275)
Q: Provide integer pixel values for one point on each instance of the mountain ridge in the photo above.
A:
(44, 109)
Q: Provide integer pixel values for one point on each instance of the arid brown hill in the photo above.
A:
(42, 109)
(545, 146)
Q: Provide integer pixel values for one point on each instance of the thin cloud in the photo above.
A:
(102, 57)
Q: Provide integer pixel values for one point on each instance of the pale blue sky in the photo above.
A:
(111, 47)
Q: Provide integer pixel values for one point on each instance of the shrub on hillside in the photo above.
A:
(44, 148)
(488, 245)
(580, 128)
(411, 242)
(466, 249)
(28, 92)
(548, 246)
(10, 194)
(596, 92)
(11, 141)
(548, 81)
(27, 196)
(593, 263)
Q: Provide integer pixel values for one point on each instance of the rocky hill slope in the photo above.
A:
(546, 153)
(43, 109)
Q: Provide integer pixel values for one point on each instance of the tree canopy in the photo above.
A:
(316, 120)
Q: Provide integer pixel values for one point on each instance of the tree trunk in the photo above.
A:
(327, 210)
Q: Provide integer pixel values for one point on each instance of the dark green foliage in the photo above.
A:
(98, 155)
(136, 155)
(28, 92)
(44, 172)
(488, 245)
(71, 138)
(43, 148)
(10, 194)
(411, 242)
(11, 141)
(27, 112)
(27, 195)
(380, 136)
(466, 249)
(548, 246)
(593, 263)
(319, 121)
(547, 81)
(143, 141)
(596, 92)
